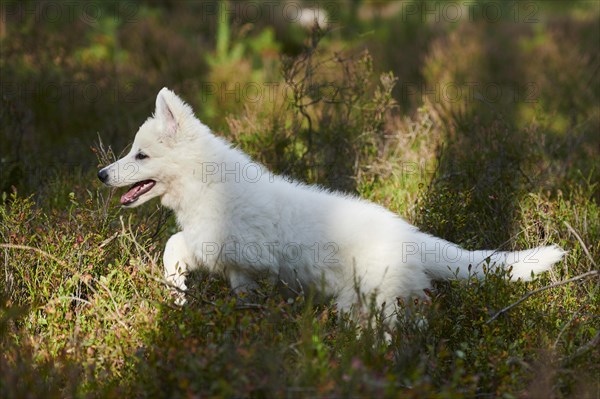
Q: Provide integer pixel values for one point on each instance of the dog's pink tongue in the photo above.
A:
(136, 190)
(131, 195)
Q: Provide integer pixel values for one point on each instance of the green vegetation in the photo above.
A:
(481, 129)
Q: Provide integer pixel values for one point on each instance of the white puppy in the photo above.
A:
(239, 219)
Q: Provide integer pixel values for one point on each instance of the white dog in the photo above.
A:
(239, 219)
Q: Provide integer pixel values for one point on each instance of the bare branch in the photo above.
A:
(572, 230)
(512, 305)
(34, 249)
(595, 341)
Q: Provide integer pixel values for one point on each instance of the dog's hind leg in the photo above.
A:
(176, 260)
(241, 283)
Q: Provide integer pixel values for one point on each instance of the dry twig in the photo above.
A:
(529, 294)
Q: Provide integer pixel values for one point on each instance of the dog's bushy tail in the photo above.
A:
(453, 261)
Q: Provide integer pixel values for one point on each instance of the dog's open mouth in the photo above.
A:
(137, 190)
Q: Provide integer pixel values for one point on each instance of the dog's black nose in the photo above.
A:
(103, 175)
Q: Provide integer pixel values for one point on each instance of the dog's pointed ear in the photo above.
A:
(171, 111)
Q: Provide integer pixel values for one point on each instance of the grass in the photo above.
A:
(84, 311)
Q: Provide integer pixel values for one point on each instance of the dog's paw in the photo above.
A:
(178, 296)
(180, 299)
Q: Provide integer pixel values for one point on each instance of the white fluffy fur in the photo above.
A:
(241, 220)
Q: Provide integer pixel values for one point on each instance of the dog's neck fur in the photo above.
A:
(209, 175)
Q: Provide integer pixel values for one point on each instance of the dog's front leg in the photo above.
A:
(242, 283)
(176, 260)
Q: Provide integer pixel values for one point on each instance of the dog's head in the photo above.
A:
(151, 165)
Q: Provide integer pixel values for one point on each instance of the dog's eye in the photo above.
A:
(140, 156)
